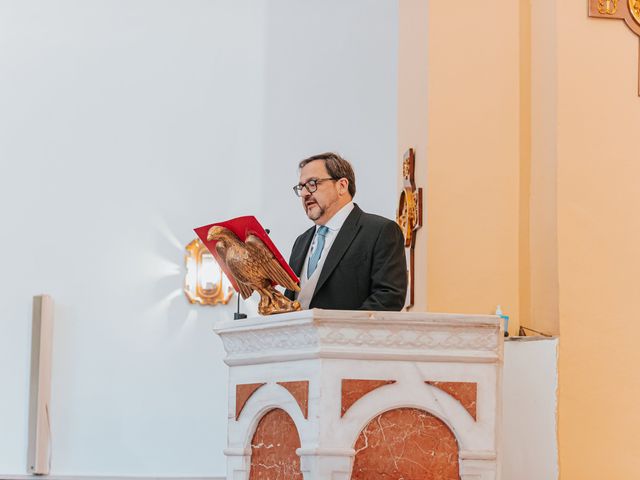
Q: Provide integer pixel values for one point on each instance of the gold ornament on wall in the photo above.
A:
(409, 216)
(607, 6)
(628, 10)
(634, 9)
(204, 281)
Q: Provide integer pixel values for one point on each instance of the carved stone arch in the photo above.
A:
(409, 444)
(265, 399)
(273, 448)
(425, 397)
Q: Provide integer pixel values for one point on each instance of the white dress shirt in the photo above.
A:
(308, 285)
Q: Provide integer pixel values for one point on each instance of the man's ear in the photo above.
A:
(344, 185)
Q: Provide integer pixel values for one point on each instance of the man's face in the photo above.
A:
(322, 204)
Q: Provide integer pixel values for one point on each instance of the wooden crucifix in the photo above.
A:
(409, 216)
(627, 10)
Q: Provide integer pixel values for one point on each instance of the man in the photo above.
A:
(350, 260)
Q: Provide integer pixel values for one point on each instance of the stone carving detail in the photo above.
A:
(297, 337)
(409, 338)
(275, 339)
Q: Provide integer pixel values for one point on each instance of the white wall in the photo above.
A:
(529, 409)
(330, 84)
(123, 125)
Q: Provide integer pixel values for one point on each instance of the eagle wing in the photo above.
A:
(272, 268)
(245, 289)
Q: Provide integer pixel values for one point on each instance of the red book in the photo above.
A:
(242, 227)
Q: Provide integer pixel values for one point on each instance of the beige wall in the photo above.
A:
(466, 135)
(598, 246)
(477, 101)
(528, 152)
(543, 231)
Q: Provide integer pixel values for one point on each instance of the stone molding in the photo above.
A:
(331, 334)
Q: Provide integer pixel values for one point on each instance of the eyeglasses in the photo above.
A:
(311, 185)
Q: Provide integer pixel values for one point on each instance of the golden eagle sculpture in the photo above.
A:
(254, 268)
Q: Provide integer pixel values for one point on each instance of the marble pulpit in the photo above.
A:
(339, 395)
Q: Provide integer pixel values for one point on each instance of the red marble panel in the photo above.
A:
(406, 444)
(300, 391)
(465, 392)
(243, 392)
(354, 389)
(273, 448)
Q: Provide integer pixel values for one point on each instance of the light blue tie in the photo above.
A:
(317, 252)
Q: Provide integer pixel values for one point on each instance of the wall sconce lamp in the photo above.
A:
(204, 282)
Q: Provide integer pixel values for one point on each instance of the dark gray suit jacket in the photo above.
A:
(365, 268)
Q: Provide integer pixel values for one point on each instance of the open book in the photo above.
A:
(242, 227)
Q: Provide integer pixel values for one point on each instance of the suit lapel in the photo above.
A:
(340, 245)
(298, 256)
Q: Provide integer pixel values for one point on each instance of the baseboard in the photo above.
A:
(100, 477)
